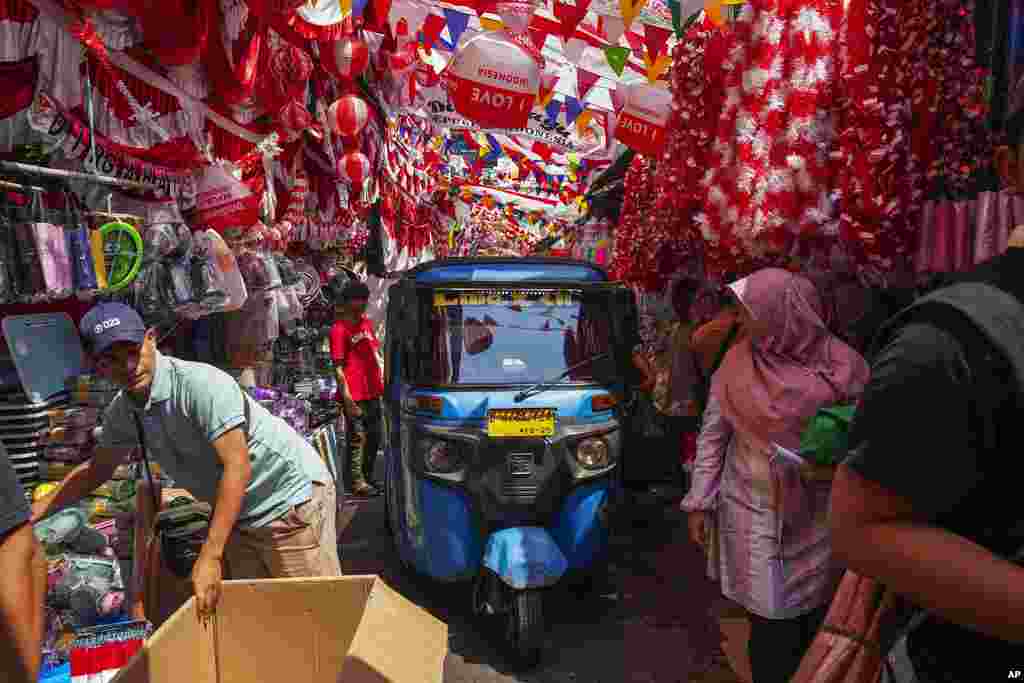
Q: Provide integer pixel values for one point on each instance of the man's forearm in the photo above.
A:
(230, 495)
(21, 605)
(939, 571)
(82, 481)
(343, 390)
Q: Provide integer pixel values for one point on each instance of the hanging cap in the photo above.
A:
(108, 323)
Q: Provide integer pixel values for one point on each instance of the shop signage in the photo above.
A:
(644, 118)
(111, 159)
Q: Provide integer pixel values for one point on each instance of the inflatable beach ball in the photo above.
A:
(493, 80)
(348, 115)
(346, 58)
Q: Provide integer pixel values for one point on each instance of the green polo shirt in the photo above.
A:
(191, 405)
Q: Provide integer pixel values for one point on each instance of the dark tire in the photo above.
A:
(525, 631)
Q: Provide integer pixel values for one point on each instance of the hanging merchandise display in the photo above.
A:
(493, 80)
(347, 58)
(641, 124)
(348, 116)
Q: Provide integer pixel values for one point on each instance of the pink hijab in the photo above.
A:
(771, 386)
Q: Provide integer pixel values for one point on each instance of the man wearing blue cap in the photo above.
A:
(274, 502)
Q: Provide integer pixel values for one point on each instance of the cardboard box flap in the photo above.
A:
(351, 629)
(396, 641)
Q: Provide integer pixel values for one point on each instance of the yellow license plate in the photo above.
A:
(520, 422)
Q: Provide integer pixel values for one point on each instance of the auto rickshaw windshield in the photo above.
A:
(493, 337)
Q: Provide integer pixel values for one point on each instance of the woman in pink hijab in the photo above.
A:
(762, 525)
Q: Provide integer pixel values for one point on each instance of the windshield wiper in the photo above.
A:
(545, 384)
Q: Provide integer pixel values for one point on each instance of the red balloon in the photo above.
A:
(346, 57)
(348, 115)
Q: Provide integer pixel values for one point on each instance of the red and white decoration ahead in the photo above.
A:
(494, 79)
(348, 115)
(346, 58)
(644, 118)
(355, 168)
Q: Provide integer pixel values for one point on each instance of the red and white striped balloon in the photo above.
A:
(346, 58)
(355, 168)
(348, 115)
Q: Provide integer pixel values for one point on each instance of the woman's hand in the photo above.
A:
(352, 409)
(699, 522)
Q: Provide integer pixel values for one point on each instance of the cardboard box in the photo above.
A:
(350, 629)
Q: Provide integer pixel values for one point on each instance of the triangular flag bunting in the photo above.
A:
(585, 80)
(548, 81)
(432, 28)
(612, 28)
(572, 109)
(677, 17)
(570, 16)
(656, 68)
(457, 23)
(358, 7)
(636, 42)
(617, 58)
(655, 38)
(630, 10)
(573, 49)
(582, 121)
(552, 110)
(538, 37)
(490, 24)
(542, 150)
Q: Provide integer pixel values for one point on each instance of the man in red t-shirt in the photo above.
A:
(360, 381)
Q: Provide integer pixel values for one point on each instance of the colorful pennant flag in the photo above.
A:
(548, 81)
(582, 121)
(538, 37)
(573, 108)
(359, 6)
(630, 10)
(457, 22)
(432, 28)
(656, 68)
(570, 16)
(611, 28)
(617, 58)
(655, 39)
(542, 150)
(677, 17)
(553, 108)
(490, 24)
(585, 80)
(573, 49)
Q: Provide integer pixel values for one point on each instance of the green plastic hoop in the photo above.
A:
(122, 249)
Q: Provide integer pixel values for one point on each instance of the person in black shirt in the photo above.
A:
(925, 504)
(22, 583)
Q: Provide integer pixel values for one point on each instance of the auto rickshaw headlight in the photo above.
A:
(442, 457)
(592, 454)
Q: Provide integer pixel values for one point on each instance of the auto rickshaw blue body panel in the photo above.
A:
(449, 527)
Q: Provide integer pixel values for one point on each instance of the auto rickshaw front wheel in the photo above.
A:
(525, 627)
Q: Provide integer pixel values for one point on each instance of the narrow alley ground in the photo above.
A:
(656, 622)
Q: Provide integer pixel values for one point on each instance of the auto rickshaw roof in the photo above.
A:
(507, 269)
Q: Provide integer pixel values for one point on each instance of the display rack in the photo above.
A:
(30, 169)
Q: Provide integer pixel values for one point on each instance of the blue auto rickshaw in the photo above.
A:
(506, 387)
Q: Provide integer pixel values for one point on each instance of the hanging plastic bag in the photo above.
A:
(32, 281)
(76, 232)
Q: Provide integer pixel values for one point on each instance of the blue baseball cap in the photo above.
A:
(108, 323)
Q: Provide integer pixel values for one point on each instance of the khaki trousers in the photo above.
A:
(301, 543)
